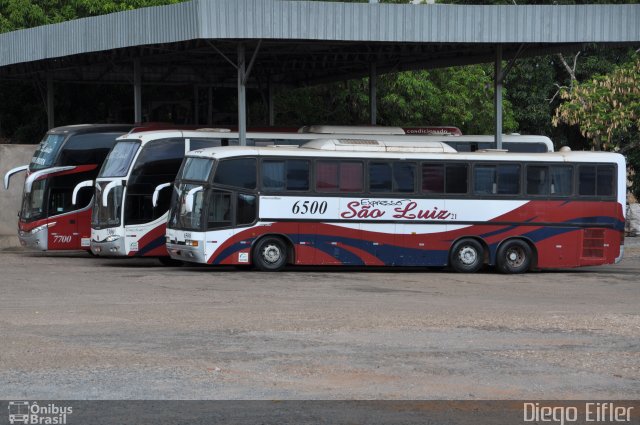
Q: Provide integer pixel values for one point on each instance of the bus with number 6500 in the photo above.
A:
(368, 202)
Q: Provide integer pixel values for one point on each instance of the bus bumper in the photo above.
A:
(193, 254)
(113, 248)
(37, 238)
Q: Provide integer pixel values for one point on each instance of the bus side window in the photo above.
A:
(380, 177)
(457, 177)
(219, 209)
(432, 178)
(604, 181)
(508, 179)
(587, 180)
(561, 180)
(537, 180)
(239, 172)
(484, 180)
(502, 179)
(404, 176)
(339, 176)
(246, 209)
(280, 175)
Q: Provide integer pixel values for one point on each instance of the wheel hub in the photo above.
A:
(468, 255)
(271, 254)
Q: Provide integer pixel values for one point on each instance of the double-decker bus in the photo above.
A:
(66, 157)
(133, 188)
(373, 203)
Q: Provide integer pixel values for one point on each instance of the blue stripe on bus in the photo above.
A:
(155, 243)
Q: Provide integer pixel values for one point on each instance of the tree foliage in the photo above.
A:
(19, 14)
(606, 107)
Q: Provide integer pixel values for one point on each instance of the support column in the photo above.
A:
(242, 100)
(271, 95)
(373, 87)
(196, 105)
(137, 91)
(498, 77)
(210, 106)
(50, 102)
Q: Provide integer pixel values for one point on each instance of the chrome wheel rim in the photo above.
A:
(468, 255)
(271, 253)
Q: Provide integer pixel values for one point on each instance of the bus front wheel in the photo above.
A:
(514, 256)
(467, 256)
(270, 254)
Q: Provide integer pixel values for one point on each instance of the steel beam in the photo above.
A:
(498, 77)
(137, 91)
(242, 97)
(50, 102)
(373, 87)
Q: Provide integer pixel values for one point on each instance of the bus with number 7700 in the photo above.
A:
(397, 203)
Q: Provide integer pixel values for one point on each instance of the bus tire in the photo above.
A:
(514, 256)
(270, 254)
(467, 256)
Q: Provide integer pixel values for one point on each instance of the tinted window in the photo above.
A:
(537, 180)
(456, 178)
(91, 148)
(237, 173)
(404, 176)
(279, 175)
(587, 180)
(380, 179)
(339, 176)
(503, 179)
(596, 180)
(246, 209)
(219, 207)
(432, 178)
(484, 180)
(157, 163)
(561, 180)
(604, 180)
(195, 144)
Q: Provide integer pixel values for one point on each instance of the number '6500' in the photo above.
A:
(309, 207)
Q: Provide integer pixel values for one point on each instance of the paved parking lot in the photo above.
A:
(73, 326)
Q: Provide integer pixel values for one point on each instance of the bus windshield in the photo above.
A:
(33, 205)
(109, 215)
(119, 159)
(187, 204)
(197, 169)
(47, 152)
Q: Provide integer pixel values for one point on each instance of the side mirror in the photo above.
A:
(156, 193)
(7, 176)
(74, 196)
(107, 189)
(189, 198)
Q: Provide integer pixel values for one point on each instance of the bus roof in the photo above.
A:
(146, 136)
(90, 128)
(314, 149)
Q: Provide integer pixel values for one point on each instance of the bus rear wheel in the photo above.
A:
(270, 254)
(514, 256)
(467, 256)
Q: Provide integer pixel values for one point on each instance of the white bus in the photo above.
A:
(397, 203)
(133, 187)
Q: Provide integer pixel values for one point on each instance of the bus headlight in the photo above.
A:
(191, 243)
(112, 238)
(41, 228)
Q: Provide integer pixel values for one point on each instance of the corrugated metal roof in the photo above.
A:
(304, 20)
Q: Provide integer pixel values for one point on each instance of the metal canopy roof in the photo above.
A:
(300, 42)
